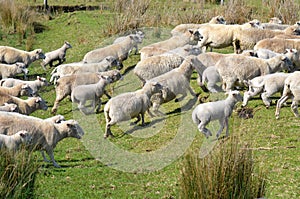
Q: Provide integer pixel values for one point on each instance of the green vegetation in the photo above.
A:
(89, 170)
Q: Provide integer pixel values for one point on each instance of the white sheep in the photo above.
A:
(56, 55)
(179, 29)
(14, 142)
(266, 85)
(79, 67)
(66, 84)
(290, 91)
(10, 55)
(18, 90)
(218, 110)
(237, 68)
(35, 85)
(26, 106)
(189, 37)
(212, 77)
(139, 34)
(93, 92)
(176, 82)
(8, 107)
(129, 105)
(45, 133)
(119, 50)
(11, 70)
(278, 45)
(159, 64)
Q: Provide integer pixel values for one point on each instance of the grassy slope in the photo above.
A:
(84, 177)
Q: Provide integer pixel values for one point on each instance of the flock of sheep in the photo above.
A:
(266, 60)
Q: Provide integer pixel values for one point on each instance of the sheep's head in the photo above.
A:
(43, 80)
(195, 35)
(67, 45)
(12, 107)
(25, 136)
(40, 103)
(235, 95)
(38, 54)
(286, 63)
(72, 128)
(26, 90)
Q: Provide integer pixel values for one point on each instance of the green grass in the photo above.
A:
(90, 170)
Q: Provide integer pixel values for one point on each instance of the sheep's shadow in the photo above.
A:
(128, 69)
(186, 107)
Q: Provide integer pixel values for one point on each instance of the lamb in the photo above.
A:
(11, 70)
(274, 24)
(156, 65)
(56, 55)
(93, 92)
(79, 67)
(8, 107)
(18, 90)
(247, 39)
(190, 37)
(185, 27)
(219, 110)
(10, 55)
(176, 82)
(266, 85)
(66, 84)
(119, 50)
(129, 105)
(290, 91)
(220, 35)
(237, 68)
(26, 106)
(45, 134)
(35, 85)
(139, 34)
(14, 142)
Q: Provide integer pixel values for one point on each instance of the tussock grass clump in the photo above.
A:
(229, 171)
(17, 174)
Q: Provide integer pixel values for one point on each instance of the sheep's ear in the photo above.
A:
(38, 77)
(22, 135)
(38, 99)
(191, 31)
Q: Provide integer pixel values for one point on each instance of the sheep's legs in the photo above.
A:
(109, 123)
(44, 156)
(266, 98)
(98, 105)
(203, 129)
(283, 99)
(294, 107)
(51, 155)
(223, 123)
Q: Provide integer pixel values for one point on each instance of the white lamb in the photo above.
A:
(11, 70)
(129, 105)
(266, 85)
(56, 55)
(10, 55)
(8, 107)
(35, 85)
(93, 92)
(14, 142)
(290, 91)
(219, 110)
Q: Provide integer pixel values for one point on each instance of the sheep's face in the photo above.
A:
(43, 80)
(40, 103)
(67, 45)
(195, 35)
(25, 136)
(38, 54)
(73, 128)
(26, 90)
(236, 95)
(286, 63)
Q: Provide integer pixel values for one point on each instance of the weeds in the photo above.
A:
(17, 174)
(229, 171)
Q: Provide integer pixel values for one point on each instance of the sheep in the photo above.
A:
(93, 92)
(35, 85)
(266, 85)
(185, 27)
(247, 39)
(26, 106)
(119, 50)
(211, 76)
(10, 55)
(290, 91)
(11, 70)
(56, 55)
(18, 90)
(45, 134)
(190, 37)
(139, 34)
(8, 107)
(278, 45)
(66, 84)
(218, 110)
(80, 67)
(159, 64)
(274, 24)
(176, 82)
(13, 142)
(220, 35)
(237, 68)
(129, 105)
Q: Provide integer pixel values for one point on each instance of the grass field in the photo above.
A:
(145, 162)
